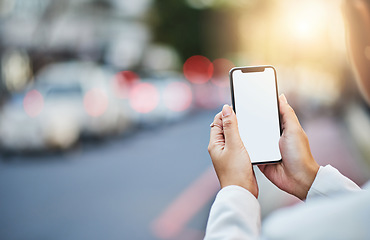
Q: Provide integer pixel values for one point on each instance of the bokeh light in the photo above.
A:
(122, 83)
(206, 96)
(33, 103)
(95, 102)
(221, 70)
(198, 69)
(305, 20)
(16, 69)
(144, 97)
(177, 96)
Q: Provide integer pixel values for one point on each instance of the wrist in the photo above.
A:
(247, 184)
(308, 180)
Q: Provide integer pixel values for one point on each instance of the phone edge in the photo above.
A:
(277, 100)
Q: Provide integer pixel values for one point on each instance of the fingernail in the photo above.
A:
(284, 98)
(226, 110)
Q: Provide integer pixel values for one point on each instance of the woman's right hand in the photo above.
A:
(298, 169)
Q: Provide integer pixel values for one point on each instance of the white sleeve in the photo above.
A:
(235, 214)
(329, 182)
(345, 216)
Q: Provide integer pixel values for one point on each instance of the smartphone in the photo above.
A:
(254, 94)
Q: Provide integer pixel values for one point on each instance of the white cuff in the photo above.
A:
(328, 182)
(235, 214)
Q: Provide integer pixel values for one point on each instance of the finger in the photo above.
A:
(289, 120)
(216, 134)
(230, 127)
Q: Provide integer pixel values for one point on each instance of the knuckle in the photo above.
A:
(291, 109)
(217, 116)
(210, 147)
(227, 123)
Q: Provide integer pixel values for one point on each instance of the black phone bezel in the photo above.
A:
(257, 69)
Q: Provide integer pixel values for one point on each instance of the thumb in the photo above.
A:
(289, 119)
(230, 127)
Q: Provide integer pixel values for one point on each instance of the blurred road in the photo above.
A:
(117, 189)
(155, 184)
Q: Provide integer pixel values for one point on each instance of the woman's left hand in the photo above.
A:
(229, 156)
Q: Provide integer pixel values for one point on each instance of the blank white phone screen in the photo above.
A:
(255, 100)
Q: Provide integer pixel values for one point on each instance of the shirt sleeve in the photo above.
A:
(329, 182)
(235, 214)
(345, 216)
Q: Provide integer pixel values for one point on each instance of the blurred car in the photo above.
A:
(67, 101)
(161, 98)
(86, 29)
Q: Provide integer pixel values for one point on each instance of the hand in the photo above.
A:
(298, 169)
(229, 156)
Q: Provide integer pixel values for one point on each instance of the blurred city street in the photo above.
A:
(108, 190)
(105, 107)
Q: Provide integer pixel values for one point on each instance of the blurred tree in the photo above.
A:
(177, 24)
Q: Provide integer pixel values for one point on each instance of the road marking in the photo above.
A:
(174, 219)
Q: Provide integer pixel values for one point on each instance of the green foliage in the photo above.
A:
(178, 25)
